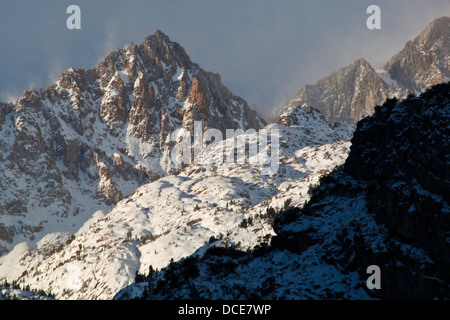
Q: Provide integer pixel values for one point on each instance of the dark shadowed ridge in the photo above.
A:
(388, 206)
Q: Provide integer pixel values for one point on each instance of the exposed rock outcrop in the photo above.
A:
(349, 94)
(60, 146)
(425, 61)
(387, 206)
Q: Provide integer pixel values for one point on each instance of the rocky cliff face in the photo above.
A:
(349, 94)
(424, 61)
(387, 206)
(94, 136)
(398, 170)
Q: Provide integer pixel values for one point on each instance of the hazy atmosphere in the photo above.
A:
(132, 171)
(264, 50)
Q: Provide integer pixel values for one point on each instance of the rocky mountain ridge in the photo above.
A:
(91, 194)
(425, 61)
(349, 94)
(387, 206)
(94, 136)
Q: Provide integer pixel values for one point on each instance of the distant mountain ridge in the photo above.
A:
(425, 61)
(347, 95)
(350, 93)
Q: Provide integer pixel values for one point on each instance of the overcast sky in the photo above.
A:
(264, 50)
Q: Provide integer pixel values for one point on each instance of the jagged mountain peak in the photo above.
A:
(361, 62)
(424, 61)
(438, 30)
(350, 93)
(347, 95)
(160, 36)
(94, 136)
(359, 68)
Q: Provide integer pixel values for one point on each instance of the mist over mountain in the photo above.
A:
(89, 188)
(91, 200)
(94, 136)
(350, 93)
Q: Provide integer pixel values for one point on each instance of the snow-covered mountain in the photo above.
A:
(90, 194)
(91, 198)
(210, 205)
(94, 136)
(425, 61)
(308, 119)
(349, 94)
(387, 206)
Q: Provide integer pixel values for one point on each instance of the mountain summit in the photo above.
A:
(91, 196)
(94, 136)
(347, 95)
(424, 61)
(350, 93)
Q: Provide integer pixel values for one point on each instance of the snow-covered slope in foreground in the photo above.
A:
(216, 204)
(387, 206)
